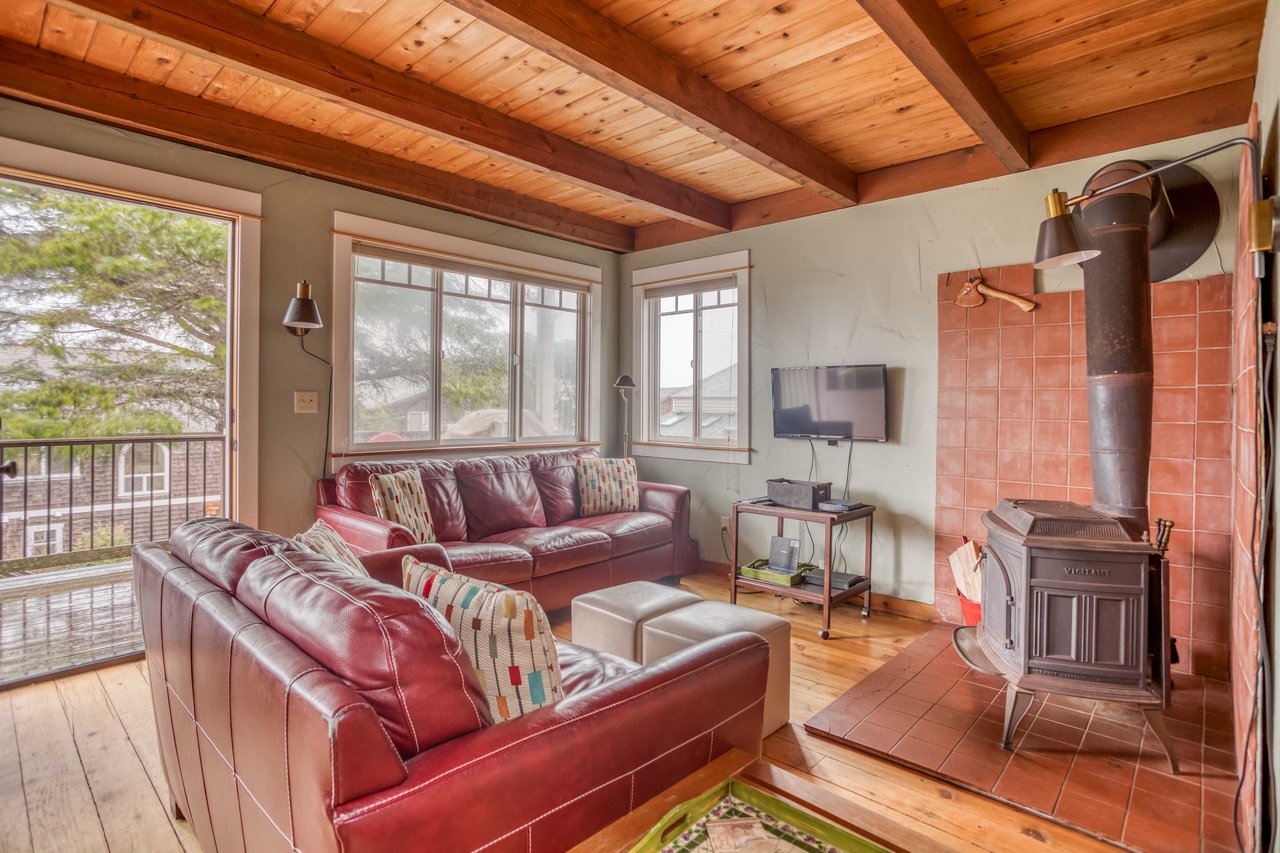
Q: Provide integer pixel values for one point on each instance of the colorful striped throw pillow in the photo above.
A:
(322, 539)
(400, 498)
(608, 485)
(505, 632)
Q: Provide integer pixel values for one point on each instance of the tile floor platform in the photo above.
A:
(1092, 765)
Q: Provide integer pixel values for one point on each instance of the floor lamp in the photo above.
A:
(625, 386)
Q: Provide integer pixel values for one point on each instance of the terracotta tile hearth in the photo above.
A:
(1089, 764)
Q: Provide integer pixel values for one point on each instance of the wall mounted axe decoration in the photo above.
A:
(975, 289)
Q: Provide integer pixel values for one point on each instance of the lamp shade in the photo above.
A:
(303, 314)
(625, 382)
(1061, 242)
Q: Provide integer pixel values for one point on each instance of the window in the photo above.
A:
(693, 355)
(451, 352)
(44, 539)
(144, 469)
(52, 462)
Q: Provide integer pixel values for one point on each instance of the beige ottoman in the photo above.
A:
(668, 634)
(610, 620)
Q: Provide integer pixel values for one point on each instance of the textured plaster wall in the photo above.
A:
(858, 286)
(297, 242)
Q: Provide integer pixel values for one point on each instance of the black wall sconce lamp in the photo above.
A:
(1063, 241)
(303, 315)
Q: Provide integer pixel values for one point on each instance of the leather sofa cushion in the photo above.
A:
(490, 561)
(629, 531)
(582, 668)
(221, 549)
(438, 481)
(556, 549)
(499, 494)
(394, 650)
(556, 473)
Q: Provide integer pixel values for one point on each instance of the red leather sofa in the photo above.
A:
(515, 520)
(299, 706)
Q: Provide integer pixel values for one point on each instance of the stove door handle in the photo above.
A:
(1008, 599)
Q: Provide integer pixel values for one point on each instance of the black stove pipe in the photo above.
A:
(1117, 286)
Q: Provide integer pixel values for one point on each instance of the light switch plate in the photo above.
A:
(306, 402)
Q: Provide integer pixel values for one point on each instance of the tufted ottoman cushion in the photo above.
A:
(610, 620)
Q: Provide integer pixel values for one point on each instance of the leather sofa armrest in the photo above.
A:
(671, 501)
(559, 774)
(365, 533)
(327, 491)
(386, 566)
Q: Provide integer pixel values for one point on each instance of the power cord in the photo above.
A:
(1260, 533)
(328, 406)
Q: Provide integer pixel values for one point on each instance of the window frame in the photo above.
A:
(57, 528)
(729, 271)
(122, 474)
(444, 253)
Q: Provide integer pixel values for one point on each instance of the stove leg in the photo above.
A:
(1016, 703)
(1155, 719)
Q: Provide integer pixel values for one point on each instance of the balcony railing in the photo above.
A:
(69, 511)
(87, 500)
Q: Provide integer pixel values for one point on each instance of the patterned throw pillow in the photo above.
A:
(322, 539)
(608, 485)
(504, 631)
(400, 498)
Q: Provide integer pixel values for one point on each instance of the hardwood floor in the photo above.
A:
(80, 771)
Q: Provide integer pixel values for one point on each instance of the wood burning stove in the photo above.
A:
(1075, 599)
(1072, 605)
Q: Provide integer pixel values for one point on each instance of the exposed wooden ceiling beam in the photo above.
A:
(1214, 108)
(921, 31)
(231, 35)
(48, 79)
(577, 35)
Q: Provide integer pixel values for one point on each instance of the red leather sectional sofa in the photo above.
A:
(515, 520)
(300, 707)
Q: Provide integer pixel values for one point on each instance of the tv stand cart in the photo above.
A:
(830, 521)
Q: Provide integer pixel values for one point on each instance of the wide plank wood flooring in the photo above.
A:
(80, 770)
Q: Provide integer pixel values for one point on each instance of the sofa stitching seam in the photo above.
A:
(542, 732)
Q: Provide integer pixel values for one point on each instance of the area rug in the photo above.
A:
(1088, 764)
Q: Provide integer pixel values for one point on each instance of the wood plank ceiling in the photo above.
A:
(633, 123)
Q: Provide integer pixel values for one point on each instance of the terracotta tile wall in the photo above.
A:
(1244, 598)
(1013, 422)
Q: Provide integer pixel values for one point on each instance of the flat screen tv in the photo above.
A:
(842, 403)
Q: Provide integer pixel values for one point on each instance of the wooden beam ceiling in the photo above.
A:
(578, 36)
(1214, 108)
(921, 31)
(233, 36)
(48, 79)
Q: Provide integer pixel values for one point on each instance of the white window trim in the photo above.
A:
(245, 211)
(733, 264)
(58, 530)
(350, 228)
(124, 472)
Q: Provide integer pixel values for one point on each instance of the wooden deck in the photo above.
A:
(80, 771)
(59, 620)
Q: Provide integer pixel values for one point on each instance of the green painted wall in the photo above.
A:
(297, 242)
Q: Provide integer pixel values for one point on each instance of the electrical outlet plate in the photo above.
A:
(306, 402)
(724, 523)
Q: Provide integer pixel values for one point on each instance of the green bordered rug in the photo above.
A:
(734, 816)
